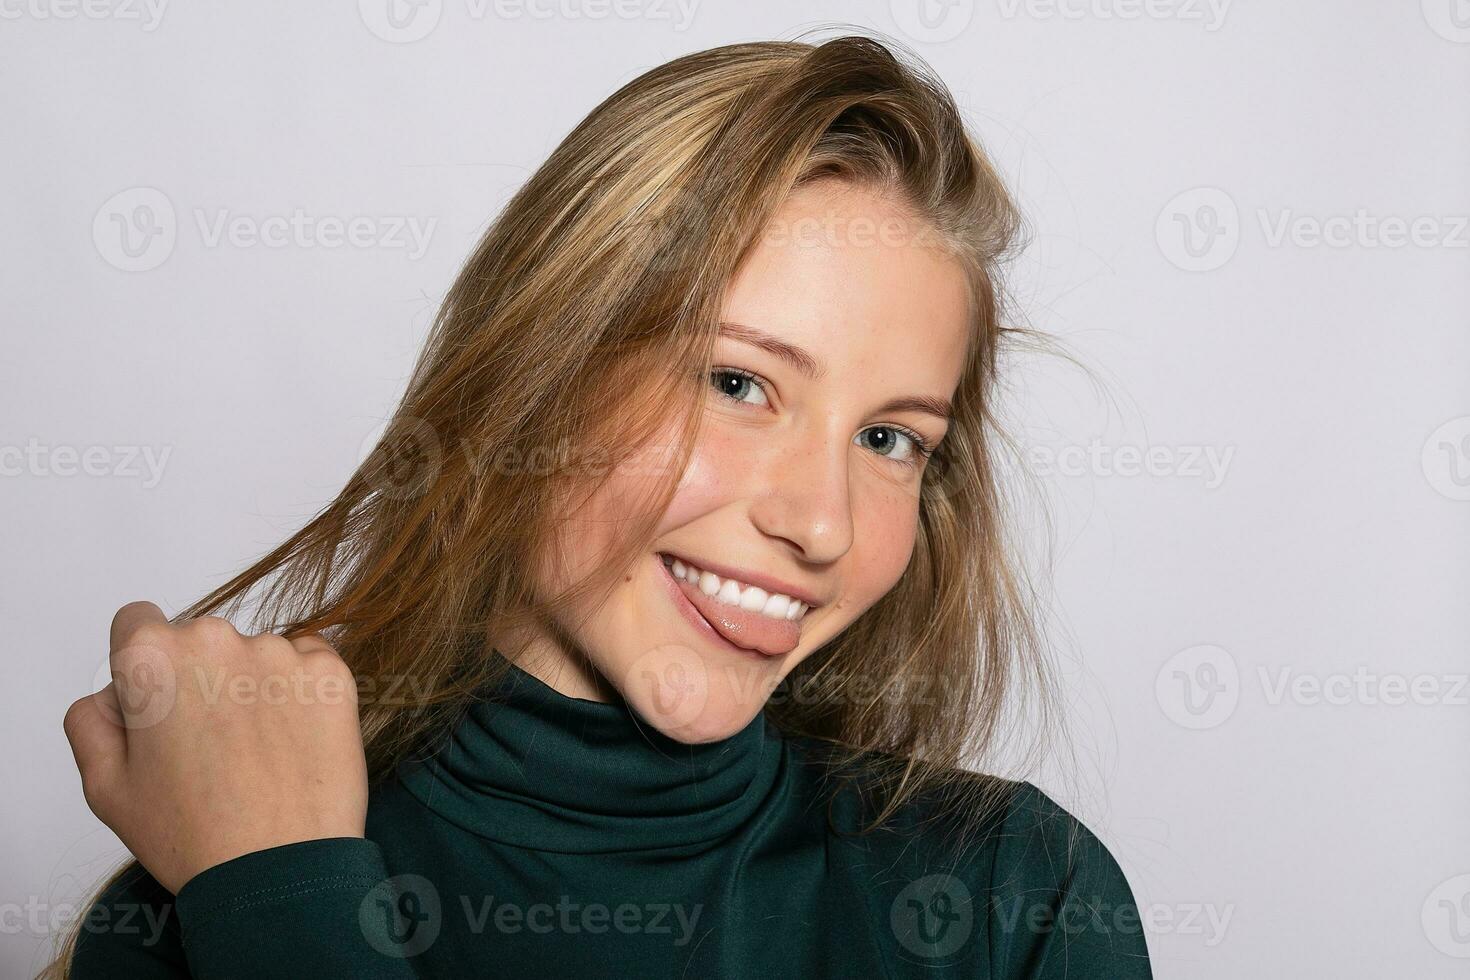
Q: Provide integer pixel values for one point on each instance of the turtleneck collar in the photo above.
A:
(531, 767)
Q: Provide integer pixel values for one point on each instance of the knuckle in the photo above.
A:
(326, 661)
(214, 630)
(307, 643)
(76, 716)
(271, 645)
(326, 665)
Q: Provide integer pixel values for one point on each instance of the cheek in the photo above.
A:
(712, 479)
(592, 527)
(885, 530)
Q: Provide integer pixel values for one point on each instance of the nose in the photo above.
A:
(803, 496)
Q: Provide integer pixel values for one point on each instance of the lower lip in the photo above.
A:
(730, 626)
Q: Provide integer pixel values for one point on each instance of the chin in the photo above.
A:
(709, 726)
(691, 699)
(716, 723)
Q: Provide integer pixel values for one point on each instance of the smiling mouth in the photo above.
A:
(733, 592)
(755, 621)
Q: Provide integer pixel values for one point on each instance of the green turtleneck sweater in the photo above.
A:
(556, 837)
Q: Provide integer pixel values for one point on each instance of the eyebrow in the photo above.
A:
(790, 353)
(808, 365)
(938, 407)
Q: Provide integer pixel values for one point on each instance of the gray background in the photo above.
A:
(1265, 655)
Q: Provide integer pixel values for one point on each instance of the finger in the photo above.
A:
(93, 727)
(142, 671)
(126, 621)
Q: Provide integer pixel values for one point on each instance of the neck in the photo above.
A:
(554, 663)
(531, 766)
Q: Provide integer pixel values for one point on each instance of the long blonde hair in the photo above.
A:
(612, 261)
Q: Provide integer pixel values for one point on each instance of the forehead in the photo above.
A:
(864, 286)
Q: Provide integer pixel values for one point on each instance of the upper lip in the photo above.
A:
(768, 582)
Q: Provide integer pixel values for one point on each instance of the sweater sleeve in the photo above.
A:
(1060, 904)
(322, 908)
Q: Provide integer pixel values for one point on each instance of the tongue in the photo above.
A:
(743, 627)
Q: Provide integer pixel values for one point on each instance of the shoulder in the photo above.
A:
(1037, 892)
(1042, 849)
(959, 808)
(1041, 839)
(1060, 902)
(975, 815)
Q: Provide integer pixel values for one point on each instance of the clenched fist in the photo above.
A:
(208, 744)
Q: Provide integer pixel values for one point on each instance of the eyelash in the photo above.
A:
(921, 445)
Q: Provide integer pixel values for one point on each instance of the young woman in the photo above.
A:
(649, 640)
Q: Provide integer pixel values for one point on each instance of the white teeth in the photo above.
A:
(731, 592)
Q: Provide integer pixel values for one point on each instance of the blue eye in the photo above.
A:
(738, 385)
(918, 450)
(733, 383)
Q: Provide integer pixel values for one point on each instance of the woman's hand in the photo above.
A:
(208, 744)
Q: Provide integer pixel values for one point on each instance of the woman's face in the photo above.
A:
(844, 322)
